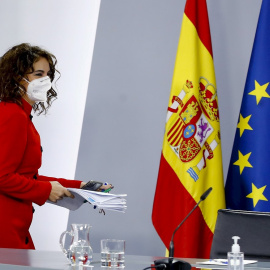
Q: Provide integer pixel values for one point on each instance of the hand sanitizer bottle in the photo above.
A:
(235, 257)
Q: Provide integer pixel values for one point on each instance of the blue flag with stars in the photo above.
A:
(248, 182)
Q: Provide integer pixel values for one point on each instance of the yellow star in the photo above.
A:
(257, 194)
(259, 91)
(243, 124)
(242, 161)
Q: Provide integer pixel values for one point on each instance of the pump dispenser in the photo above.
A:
(235, 246)
(235, 257)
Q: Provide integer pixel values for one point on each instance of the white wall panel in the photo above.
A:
(67, 28)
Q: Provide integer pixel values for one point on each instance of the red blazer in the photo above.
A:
(20, 184)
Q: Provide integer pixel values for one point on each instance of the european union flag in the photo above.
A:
(248, 181)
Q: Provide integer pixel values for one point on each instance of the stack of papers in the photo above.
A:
(101, 200)
(223, 262)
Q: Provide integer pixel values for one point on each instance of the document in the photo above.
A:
(223, 262)
(101, 200)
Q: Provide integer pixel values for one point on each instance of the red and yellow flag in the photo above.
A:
(191, 160)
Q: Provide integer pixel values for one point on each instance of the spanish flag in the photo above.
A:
(191, 160)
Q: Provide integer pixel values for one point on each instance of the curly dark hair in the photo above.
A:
(15, 64)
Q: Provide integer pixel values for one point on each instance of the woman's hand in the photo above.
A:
(58, 192)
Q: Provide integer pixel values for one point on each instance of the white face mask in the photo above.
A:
(38, 88)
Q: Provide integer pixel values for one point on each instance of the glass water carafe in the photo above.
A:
(80, 251)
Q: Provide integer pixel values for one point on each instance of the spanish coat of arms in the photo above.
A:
(192, 124)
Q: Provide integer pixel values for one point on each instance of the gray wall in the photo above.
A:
(127, 99)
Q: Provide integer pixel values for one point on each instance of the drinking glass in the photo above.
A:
(112, 253)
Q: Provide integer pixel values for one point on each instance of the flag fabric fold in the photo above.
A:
(191, 159)
(247, 184)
